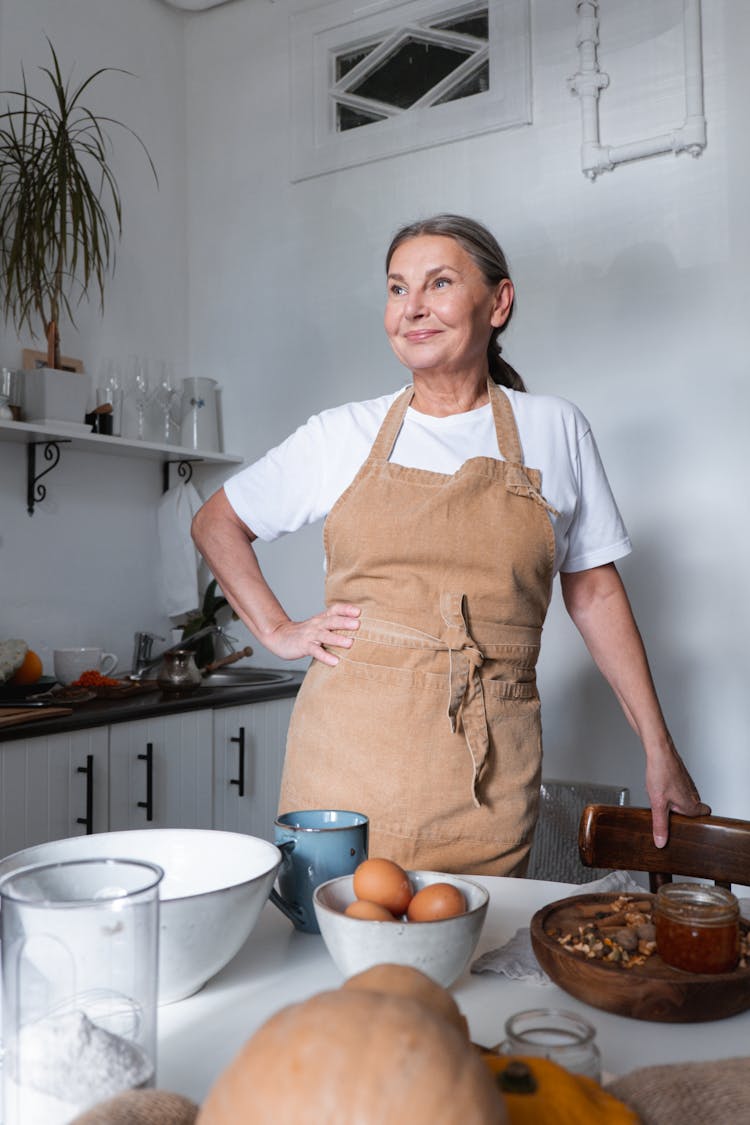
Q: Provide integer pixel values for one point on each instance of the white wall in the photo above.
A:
(632, 302)
(633, 298)
(81, 570)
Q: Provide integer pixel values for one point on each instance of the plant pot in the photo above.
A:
(50, 395)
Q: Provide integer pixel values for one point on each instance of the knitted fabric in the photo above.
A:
(691, 1093)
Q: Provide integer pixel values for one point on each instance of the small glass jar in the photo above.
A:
(697, 927)
(551, 1033)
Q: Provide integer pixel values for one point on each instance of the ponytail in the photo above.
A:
(501, 371)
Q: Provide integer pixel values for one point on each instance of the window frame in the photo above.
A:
(319, 34)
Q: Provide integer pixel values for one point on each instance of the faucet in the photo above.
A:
(143, 642)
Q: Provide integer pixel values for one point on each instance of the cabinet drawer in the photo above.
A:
(161, 772)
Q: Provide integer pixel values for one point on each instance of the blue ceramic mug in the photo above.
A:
(315, 845)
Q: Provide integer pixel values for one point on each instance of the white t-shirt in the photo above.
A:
(299, 480)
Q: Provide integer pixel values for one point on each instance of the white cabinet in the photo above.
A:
(52, 787)
(195, 769)
(160, 772)
(249, 745)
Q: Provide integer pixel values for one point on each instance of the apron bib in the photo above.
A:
(430, 722)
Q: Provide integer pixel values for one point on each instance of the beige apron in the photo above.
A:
(430, 722)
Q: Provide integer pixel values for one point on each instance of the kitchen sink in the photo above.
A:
(244, 677)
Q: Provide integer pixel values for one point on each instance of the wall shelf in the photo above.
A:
(53, 438)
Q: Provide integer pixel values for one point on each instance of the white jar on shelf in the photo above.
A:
(200, 414)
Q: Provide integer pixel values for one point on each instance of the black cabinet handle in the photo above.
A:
(88, 819)
(240, 780)
(148, 758)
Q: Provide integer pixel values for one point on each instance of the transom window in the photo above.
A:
(413, 66)
(409, 74)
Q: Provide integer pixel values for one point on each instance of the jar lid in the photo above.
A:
(699, 902)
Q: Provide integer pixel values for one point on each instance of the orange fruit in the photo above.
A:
(30, 671)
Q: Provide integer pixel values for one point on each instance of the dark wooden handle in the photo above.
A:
(148, 758)
(88, 770)
(239, 781)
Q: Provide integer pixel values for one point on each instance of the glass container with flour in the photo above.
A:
(79, 967)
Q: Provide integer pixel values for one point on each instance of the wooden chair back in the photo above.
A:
(704, 847)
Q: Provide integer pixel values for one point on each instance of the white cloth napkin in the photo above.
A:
(516, 959)
(179, 558)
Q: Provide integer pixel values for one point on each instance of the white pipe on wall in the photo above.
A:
(590, 80)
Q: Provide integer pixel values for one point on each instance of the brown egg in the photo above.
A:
(384, 882)
(438, 900)
(370, 911)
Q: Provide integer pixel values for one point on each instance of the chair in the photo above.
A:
(706, 847)
(554, 854)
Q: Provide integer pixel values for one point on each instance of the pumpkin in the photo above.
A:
(403, 980)
(539, 1092)
(356, 1057)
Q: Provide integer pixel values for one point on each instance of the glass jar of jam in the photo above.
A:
(697, 927)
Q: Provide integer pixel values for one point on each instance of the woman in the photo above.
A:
(450, 506)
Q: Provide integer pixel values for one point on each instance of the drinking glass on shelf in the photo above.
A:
(110, 389)
(139, 386)
(166, 395)
(6, 412)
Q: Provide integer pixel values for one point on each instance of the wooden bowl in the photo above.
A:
(651, 991)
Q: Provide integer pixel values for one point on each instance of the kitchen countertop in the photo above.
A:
(198, 1037)
(149, 704)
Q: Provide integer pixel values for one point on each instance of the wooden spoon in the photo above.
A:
(224, 660)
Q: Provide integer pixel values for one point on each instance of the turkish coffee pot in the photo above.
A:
(178, 671)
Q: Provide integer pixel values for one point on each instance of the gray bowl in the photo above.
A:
(441, 949)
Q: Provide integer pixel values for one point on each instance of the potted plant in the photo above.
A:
(213, 604)
(60, 215)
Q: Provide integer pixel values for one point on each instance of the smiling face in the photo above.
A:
(440, 310)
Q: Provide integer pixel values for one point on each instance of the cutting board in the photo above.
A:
(651, 991)
(10, 716)
(123, 689)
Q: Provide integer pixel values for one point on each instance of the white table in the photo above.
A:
(278, 966)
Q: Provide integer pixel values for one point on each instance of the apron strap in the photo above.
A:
(506, 430)
(392, 423)
(508, 441)
(465, 692)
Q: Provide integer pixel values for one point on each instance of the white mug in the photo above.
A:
(70, 663)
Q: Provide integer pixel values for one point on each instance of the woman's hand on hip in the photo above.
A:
(294, 639)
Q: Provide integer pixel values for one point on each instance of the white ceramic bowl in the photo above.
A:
(440, 949)
(214, 888)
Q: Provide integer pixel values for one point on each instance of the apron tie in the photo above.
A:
(465, 693)
(517, 482)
